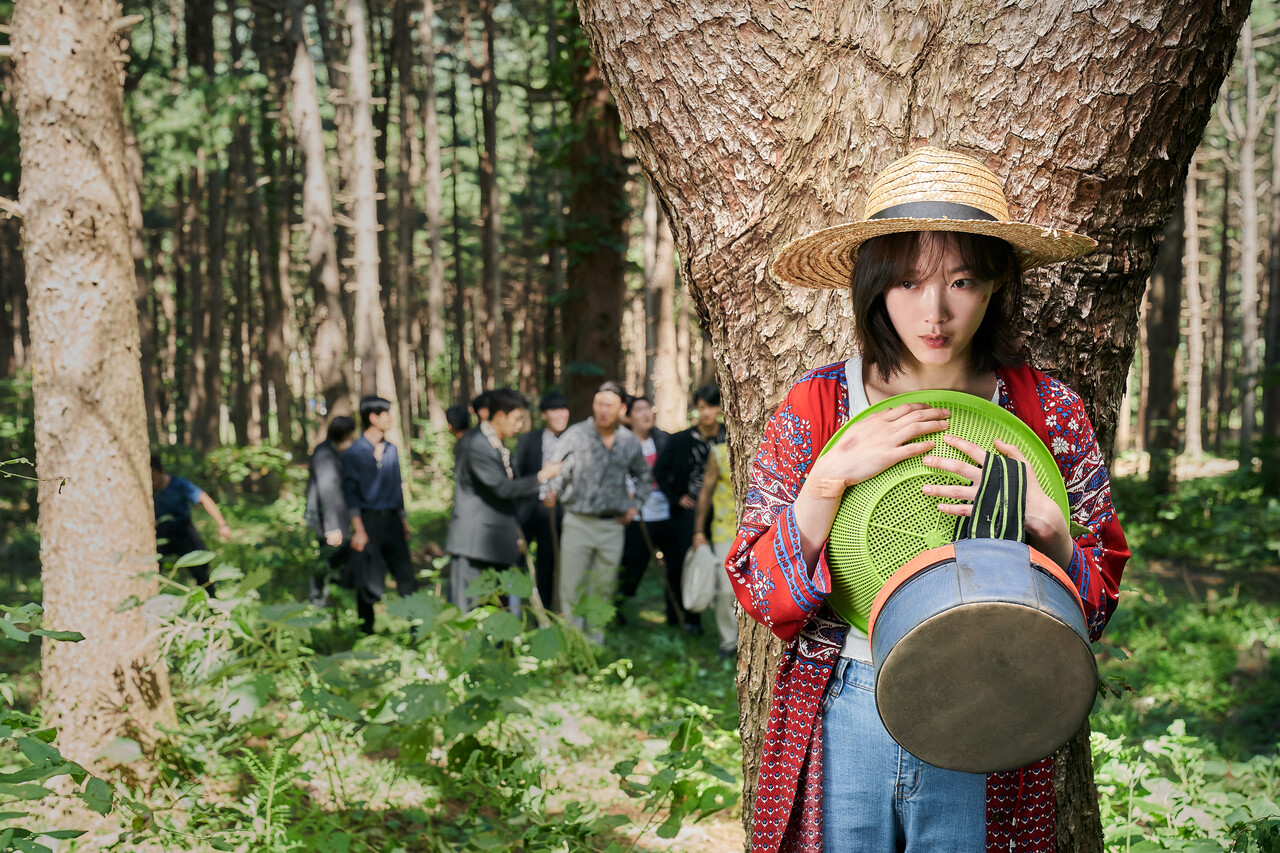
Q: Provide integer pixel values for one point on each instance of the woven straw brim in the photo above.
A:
(825, 258)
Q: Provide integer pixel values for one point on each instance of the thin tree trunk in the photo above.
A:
(459, 279)
(486, 77)
(1193, 448)
(1225, 327)
(433, 207)
(1245, 131)
(786, 141)
(97, 534)
(407, 177)
(143, 297)
(329, 323)
(1270, 451)
(241, 382)
(670, 395)
(1164, 314)
(371, 330)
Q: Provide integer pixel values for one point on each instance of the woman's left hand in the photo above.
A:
(1047, 529)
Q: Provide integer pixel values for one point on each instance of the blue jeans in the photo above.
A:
(879, 798)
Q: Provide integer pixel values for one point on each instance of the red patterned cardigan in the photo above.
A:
(775, 587)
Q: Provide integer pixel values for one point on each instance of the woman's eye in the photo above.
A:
(964, 283)
(906, 285)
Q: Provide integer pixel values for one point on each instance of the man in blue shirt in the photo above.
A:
(176, 534)
(375, 501)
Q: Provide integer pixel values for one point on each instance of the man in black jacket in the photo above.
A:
(679, 474)
(483, 532)
(326, 511)
(532, 449)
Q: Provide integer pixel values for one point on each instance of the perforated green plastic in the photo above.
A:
(885, 521)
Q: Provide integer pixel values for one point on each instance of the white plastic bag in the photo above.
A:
(702, 569)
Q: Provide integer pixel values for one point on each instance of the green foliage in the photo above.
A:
(28, 756)
(1188, 758)
(446, 698)
(255, 469)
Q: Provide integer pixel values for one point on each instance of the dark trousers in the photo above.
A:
(332, 568)
(175, 538)
(538, 530)
(367, 569)
(636, 557)
(682, 521)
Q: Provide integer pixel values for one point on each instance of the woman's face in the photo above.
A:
(938, 310)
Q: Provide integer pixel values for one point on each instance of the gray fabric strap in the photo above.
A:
(932, 210)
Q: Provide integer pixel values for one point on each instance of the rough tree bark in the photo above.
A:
(1244, 130)
(371, 332)
(1193, 447)
(595, 233)
(329, 332)
(1271, 366)
(1164, 315)
(433, 207)
(97, 533)
(760, 122)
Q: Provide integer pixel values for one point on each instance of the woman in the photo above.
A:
(936, 272)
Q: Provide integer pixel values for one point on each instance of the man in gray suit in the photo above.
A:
(483, 532)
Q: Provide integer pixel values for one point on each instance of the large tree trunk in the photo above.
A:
(758, 123)
(595, 233)
(433, 207)
(1193, 446)
(329, 324)
(371, 332)
(97, 533)
(1164, 315)
(485, 74)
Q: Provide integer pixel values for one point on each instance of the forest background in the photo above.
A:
(435, 198)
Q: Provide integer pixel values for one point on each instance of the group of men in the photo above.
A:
(597, 500)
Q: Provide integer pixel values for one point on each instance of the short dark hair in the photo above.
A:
(553, 400)
(890, 258)
(709, 394)
(613, 388)
(372, 405)
(458, 417)
(506, 400)
(339, 428)
(157, 464)
(631, 404)
(480, 401)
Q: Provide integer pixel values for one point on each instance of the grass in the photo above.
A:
(1185, 759)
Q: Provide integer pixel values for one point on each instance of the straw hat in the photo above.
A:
(928, 190)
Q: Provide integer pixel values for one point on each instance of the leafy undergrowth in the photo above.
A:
(1187, 747)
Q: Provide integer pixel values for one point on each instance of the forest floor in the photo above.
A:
(1186, 751)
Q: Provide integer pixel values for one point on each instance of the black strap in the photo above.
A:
(1000, 506)
(933, 210)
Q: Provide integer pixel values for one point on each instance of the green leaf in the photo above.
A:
(418, 702)
(24, 791)
(544, 644)
(330, 704)
(39, 753)
(13, 815)
(193, 558)
(66, 636)
(502, 626)
(516, 582)
(671, 826)
(13, 632)
(97, 795)
(62, 834)
(423, 606)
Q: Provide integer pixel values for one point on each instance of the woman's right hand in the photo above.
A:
(875, 444)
